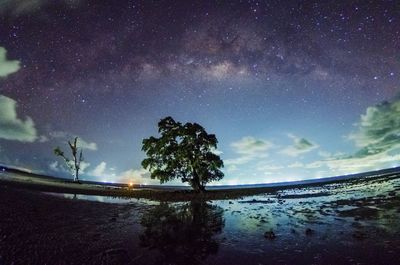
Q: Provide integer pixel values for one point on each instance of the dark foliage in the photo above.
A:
(183, 151)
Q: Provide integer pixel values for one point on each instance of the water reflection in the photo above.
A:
(183, 233)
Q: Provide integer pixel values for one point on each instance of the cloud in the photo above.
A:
(54, 166)
(251, 146)
(99, 170)
(231, 166)
(248, 148)
(300, 146)
(269, 167)
(7, 67)
(59, 134)
(378, 129)
(13, 128)
(43, 139)
(62, 167)
(86, 145)
(137, 176)
(216, 151)
(296, 165)
(83, 166)
(324, 154)
(68, 136)
(349, 165)
(377, 136)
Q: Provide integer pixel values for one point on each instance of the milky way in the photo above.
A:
(292, 89)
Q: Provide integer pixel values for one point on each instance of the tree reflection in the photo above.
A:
(184, 234)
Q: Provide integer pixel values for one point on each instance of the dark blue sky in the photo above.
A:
(292, 89)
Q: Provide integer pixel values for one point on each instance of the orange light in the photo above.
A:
(130, 184)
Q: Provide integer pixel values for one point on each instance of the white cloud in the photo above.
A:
(13, 128)
(300, 146)
(352, 165)
(7, 67)
(86, 145)
(216, 151)
(378, 139)
(69, 137)
(251, 146)
(238, 161)
(83, 166)
(137, 176)
(324, 154)
(62, 167)
(296, 165)
(248, 148)
(58, 134)
(378, 129)
(268, 167)
(231, 168)
(54, 166)
(99, 170)
(43, 139)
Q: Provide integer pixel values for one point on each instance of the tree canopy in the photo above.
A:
(183, 151)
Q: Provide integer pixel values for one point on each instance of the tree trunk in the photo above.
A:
(76, 178)
(202, 188)
(195, 183)
(76, 163)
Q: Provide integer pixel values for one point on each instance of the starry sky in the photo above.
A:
(292, 89)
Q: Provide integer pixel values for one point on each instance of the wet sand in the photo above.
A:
(20, 179)
(41, 229)
(338, 223)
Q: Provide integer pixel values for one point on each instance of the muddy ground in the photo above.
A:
(338, 223)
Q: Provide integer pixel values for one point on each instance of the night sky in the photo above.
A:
(292, 89)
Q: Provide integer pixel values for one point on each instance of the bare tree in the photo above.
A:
(74, 163)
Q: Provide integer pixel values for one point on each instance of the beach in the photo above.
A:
(336, 223)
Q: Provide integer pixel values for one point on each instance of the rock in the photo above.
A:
(270, 235)
(309, 232)
(113, 219)
(230, 202)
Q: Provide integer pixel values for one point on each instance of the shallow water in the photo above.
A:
(341, 223)
(104, 199)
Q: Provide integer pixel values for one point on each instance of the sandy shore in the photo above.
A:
(41, 229)
(50, 184)
(340, 223)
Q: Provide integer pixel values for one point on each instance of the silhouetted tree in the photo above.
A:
(183, 151)
(74, 163)
(184, 234)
